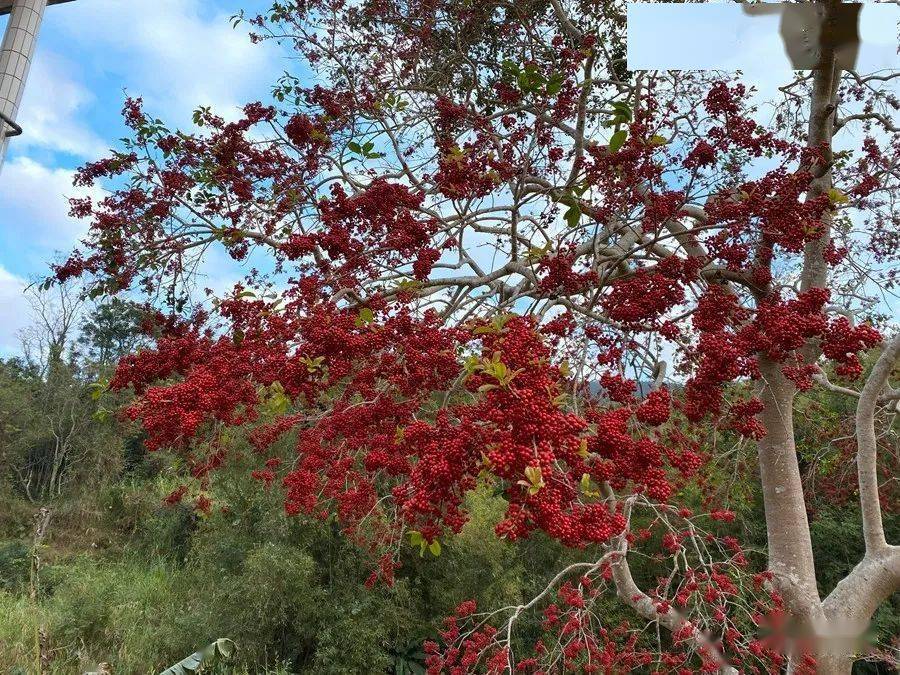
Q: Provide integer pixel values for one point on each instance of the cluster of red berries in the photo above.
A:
(558, 274)
(641, 300)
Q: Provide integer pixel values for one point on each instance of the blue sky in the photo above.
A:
(177, 54)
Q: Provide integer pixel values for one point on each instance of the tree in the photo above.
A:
(45, 404)
(111, 331)
(47, 342)
(51, 429)
(484, 234)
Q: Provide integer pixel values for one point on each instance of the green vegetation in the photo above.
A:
(128, 581)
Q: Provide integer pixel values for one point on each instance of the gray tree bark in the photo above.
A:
(833, 626)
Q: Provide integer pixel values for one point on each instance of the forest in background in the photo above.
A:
(122, 581)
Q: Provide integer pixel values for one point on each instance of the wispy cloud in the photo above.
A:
(34, 220)
(54, 110)
(177, 54)
(15, 310)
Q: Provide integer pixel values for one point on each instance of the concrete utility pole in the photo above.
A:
(16, 55)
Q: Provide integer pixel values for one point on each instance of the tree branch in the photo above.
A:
(866, 453)
(629, 593)
(850, 606)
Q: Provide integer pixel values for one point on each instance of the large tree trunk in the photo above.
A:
(833, 626)
(787, 526)
(789, 541)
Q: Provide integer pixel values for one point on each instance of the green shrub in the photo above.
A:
(19, 622)
(14, 565)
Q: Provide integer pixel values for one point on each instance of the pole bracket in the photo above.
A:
(16, 129)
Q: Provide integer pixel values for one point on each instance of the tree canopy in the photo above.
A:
(492, 254)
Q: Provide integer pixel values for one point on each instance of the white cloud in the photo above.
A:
(173, 53)
(177, 54)
(52, 110)
(34, 220)
(15, 313)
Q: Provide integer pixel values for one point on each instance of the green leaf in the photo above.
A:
(622, 111)
(435, 548)
(617, 140)
(535, 479)
(353, 146)
(538, 252)
(524, 81)
(222, 647)
(657, 140)
(367, 147)
(568, 199)
(837, 196)
(365, 317)
(583, 449)
(579, 189)
(510, 67)
(586, 487)
(554, 84)
(573, 216)
(312, 365)
(279, 404)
